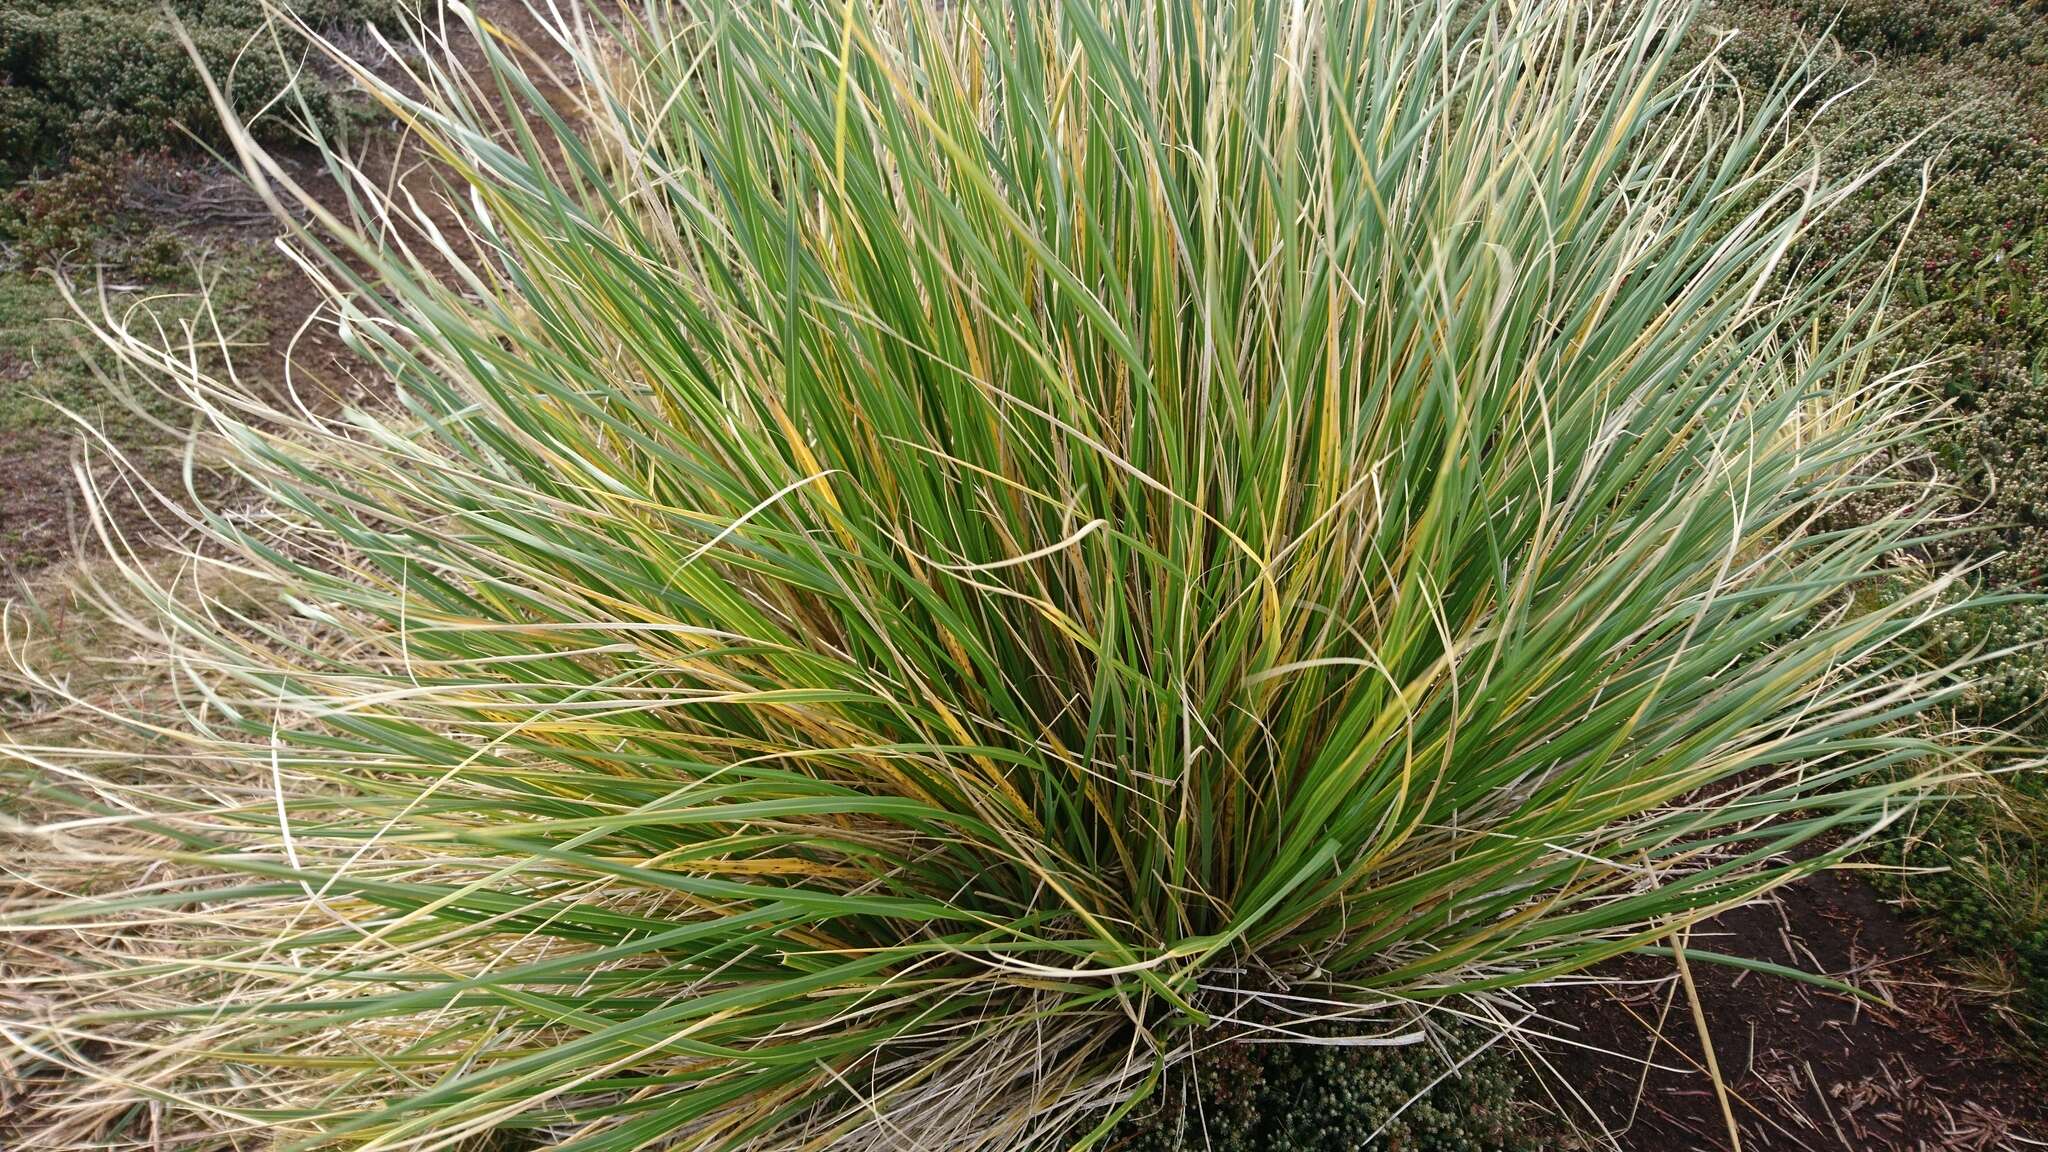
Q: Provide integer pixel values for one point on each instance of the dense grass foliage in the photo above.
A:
(929, 562)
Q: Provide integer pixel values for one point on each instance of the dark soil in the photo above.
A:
(1924, 1069)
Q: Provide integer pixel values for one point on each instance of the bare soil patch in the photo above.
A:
(1924, 1069)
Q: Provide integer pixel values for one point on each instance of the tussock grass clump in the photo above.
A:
(928, 561)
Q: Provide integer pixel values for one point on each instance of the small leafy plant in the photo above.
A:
(103, 75)
(1462, 1097)
(927, 560)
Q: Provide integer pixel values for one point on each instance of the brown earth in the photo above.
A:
(1917, 1067)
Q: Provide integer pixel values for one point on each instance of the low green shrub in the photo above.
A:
(110, 75)
(1971, 265)
(1246, 1097)
(2006, 31)
(78, 211)
(2032, 964)
(119, 212)
(1976, 867)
